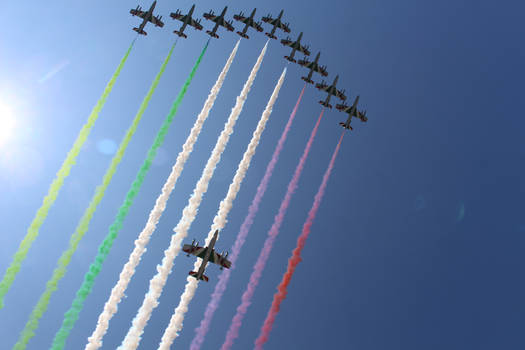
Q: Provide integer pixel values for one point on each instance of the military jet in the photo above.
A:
(147, 17)
(332, 91)
(187, 20)
(219, 21)
(249, 21)
(276, 24)
(314, 67)
(207, 254)
(296, 46)
(352, 112)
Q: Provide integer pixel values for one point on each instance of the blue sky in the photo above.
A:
(417, 242)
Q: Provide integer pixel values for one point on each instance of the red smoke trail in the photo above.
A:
(220, 287)
(258, 268)
(295, 259)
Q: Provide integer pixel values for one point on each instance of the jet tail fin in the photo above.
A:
(180, 34)
(271, 36)
(203, 277)
(310, 81)
(290, 59)
(212, 34)
(325, 104)
(243, 35)
(346, 126)
(140, 31)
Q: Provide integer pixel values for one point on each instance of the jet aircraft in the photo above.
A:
(249, 22)
(276, 24)
(187, 20)
(314, 67)
(296, 46)
(332, 91)
(147, 17)
(207, 254)
(219, 21)
(352, 112)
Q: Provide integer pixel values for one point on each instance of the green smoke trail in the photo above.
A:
(63, 172)
(63, 262)
(72, 314)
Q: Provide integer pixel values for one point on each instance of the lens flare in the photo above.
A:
(7, 123)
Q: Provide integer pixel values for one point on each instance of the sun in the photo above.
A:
(7, 123)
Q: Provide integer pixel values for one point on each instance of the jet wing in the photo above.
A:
(156, 21)
(195, 24)
(286, 42)
(178, 16)
(217, 259)
(257, 26)
(195, 250)
(322, 70)
(340, 94)
(342, 107)
(304, 63)
(362, 116)
(304, 50)
(284, 27)
(240, 18)
(210, 16)
(228, 25)
(322, 86)
(139, 13)
(267, 19)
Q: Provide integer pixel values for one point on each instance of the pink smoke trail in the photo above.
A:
(233, 331)
(220, 287)
(295, 259)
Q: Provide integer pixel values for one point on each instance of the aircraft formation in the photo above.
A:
(250, 22)
(207, 252)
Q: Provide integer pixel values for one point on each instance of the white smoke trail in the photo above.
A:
(220, 219)
(156, 284)
(110, 308)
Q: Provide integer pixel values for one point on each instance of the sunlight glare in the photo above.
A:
(7, 123)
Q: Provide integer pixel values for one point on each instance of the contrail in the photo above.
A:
(56, 185)
(243, 233)
(220, 219)
(83, 225)
(156, 284)
(295, 259)
(71, 315)
(110, 308)
(233, 331)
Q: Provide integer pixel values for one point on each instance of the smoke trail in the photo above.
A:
(295, 259)
(110, 308)
(220, 220)
(233, 331)
(220, 288)
(56, 185)
(156, 284)
(83, 225)
(71, 315)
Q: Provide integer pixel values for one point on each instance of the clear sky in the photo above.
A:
(417, 242)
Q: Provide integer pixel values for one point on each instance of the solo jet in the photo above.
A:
(207, 254)
(187, 20)
(276, 24)
(147, 17)
(352, 112)
(314, 67)
(249, 22)
(219, 21)
(332, 91)
(296, 46)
